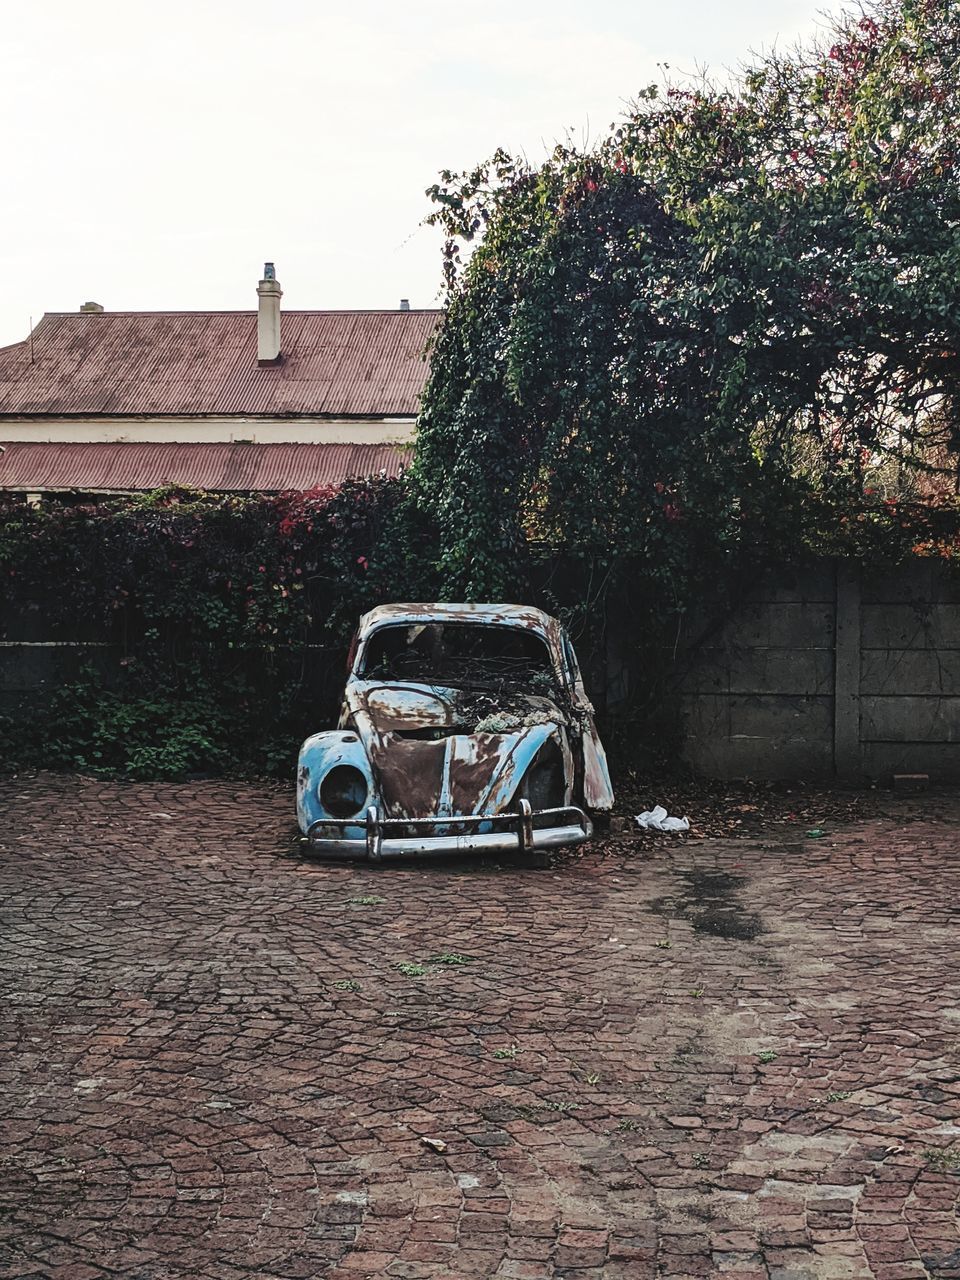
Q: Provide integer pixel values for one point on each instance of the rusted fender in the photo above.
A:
(318, 755)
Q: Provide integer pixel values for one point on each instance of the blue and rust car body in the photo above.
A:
(413, 768)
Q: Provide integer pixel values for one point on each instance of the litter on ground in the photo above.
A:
(657, 819)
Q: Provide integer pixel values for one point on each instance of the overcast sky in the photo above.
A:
(157, 153)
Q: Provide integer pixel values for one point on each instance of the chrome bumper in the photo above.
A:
(520, 832)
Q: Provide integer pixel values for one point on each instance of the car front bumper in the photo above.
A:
(526, 831)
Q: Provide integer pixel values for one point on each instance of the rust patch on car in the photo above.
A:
(410, 775)
(477, 761)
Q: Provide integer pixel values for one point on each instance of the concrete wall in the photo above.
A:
(831, 673)
(827, 673)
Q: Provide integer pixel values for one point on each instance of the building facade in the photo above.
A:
(98, 402)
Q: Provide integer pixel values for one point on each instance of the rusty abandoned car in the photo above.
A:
(463, 727)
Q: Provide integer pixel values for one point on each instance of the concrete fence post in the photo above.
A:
(846, 673)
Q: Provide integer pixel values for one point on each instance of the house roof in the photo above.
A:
(233, 468)
(334, 364)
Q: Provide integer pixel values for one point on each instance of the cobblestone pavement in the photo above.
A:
(218, 1059)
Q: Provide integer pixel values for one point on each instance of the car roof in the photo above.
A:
(508, 615)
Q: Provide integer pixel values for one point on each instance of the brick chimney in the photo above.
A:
(269, 294)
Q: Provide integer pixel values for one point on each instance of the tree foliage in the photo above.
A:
(732, 319)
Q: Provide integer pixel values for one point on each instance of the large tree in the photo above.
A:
(742, 297)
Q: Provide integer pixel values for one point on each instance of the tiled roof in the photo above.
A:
(236, 468)
(334, 363)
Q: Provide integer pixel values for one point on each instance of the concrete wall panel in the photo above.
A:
(910, 719)
(904, 626)
(761, 671)
(939, 760)
(926, 581)
(813, 585)
(758, 737)
(895, 672)
(781, 626)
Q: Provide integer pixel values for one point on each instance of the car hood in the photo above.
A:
(438, 753)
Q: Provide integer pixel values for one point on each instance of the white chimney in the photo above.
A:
(268, 316)
(404, 304)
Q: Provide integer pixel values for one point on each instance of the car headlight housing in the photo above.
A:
(343, 791)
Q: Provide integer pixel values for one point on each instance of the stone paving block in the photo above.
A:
(212, 1066)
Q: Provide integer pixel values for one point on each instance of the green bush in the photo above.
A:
(231, 617)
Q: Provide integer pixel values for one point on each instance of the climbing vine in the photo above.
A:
(213, 630)
(734, 316)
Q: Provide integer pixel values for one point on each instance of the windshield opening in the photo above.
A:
(467, 655)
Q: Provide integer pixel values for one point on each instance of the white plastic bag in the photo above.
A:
(657, 819)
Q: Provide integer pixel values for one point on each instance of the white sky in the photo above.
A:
(157, 153)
